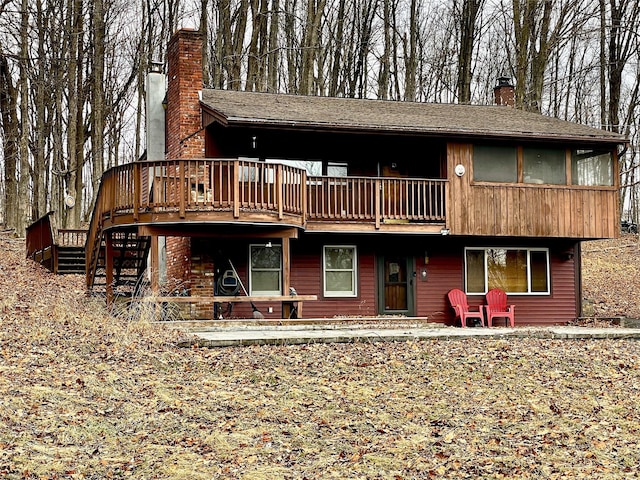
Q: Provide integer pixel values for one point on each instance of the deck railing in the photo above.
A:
(375, 199)
(242, 185)
(72, 237)
(192, 185)
(41, 241)
(44, 240)
(261, 189)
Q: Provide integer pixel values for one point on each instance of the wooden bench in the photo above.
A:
(291, 304)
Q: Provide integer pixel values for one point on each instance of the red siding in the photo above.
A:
(306, 277)
(445, 270)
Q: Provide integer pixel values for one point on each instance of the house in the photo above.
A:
(364, 207)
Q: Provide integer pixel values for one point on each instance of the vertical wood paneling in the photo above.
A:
(526, 210)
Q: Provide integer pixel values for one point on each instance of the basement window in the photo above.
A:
(516, 271)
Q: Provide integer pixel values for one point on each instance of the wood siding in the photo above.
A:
(520, 210)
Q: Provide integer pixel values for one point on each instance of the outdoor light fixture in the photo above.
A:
(156, 66)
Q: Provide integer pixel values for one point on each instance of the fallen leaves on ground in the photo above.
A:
(85, 395)
(611, 277)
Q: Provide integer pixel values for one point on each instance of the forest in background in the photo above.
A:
(72, 73)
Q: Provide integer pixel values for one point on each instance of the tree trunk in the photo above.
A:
(603, 63)
(97, 98)
(411, 60)
(11, 129)
(41, 129)
(385, 60)
(273, 66)
(336, 58)
(23, 217)
(467, 19)
(204, 29)
(237, 45)
(310, 46)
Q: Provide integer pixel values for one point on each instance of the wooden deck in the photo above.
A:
(258, 192)
(175, 193)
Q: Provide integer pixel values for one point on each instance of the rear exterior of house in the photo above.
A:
(372, 208)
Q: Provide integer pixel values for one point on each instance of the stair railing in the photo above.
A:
(41, 241)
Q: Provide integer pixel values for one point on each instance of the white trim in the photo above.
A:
(486, 270)
(250, 272)
(354, 273)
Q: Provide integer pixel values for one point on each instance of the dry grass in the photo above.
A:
(84, 395)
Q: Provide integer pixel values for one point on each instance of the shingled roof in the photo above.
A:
(329, 113)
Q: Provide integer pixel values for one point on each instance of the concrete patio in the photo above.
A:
(209, 335)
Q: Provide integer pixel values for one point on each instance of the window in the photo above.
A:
(335, 169)
(495, 164)
(544, 166)
(339, 271)
(589, 167)
(265, 273)
(524, 270)
(313, 167)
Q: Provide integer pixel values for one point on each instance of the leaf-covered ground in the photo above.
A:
(84, 395)
(611, 277)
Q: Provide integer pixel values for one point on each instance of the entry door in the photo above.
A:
(395, 280)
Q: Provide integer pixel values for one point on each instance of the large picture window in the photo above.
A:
(523, 270)
(495, 164)
(339, 264)
(265, 273)
(544, 165)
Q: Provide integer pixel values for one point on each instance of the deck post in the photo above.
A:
(182, 179)
(236, 189)
(111, 202)
(137, 187)
(108, 267)
(304, 193)
(155, 267)
(286, 275)
(280, 186)
(378, 186)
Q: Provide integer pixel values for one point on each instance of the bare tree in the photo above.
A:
(11, 136)
(466, 16)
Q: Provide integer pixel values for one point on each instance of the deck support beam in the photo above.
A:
(108, 267)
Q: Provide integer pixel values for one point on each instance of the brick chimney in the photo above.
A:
(504, 93)
(185, 137)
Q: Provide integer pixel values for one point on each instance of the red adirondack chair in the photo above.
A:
(497, 307)
(458, 301)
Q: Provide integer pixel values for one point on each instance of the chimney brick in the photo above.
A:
(185, 137)
(504, 93)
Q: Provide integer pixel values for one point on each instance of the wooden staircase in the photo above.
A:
(70, 260)
(129, 263)
(59, 250)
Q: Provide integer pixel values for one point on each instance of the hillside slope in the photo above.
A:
(611, 277)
